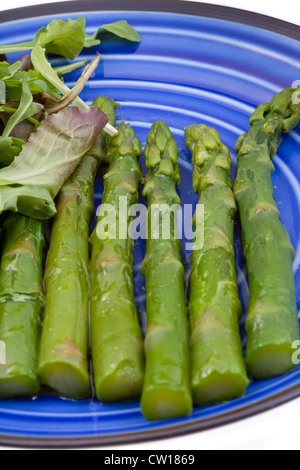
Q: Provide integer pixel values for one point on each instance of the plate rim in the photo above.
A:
(162, 434)
(168, 6)
(206, 10)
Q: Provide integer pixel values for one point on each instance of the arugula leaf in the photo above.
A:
(52, 105)
(7, 71)
(23, 46)
(7, 109)
(23, 129)
(123, 30)
(33, 180)
(91, 41)
(67, 39)
(64, 69)
(120, 28)
(35, 80)
(40, 62)
(26, 109)
(59, 37)
(64, 39)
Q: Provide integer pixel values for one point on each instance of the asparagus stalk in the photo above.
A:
(166, 392)
(218, 368)
(21, 303)
(117, 344)
(272, 324)
(21, 300)
(63, 361)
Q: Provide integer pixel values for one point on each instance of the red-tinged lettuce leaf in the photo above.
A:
(48, 160)
(26, 64)
(24, 129)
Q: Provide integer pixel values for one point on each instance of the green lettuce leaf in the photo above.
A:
(13, 80)
(10, 147)
(59, 37)
(63, 38)
(91, 41)
(7, 71)
(26, 109)
(123, 30)
(120, 28)
(47, 160)
(6, 110)
(67, 39)
(35, 81)
(31, 200)
(41, 64)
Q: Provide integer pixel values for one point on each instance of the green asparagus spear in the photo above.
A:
(218, 369)
(272, 324)
(117, 344)
(166, 392)
(63, 362)
(21, 302)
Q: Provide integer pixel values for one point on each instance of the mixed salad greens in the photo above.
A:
(34, 90)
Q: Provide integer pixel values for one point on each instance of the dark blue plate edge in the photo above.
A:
(168, 6)
(166, 433)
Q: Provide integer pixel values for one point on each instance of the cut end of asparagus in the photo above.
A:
(163, 403)
(270, 361)
(111, 130)
(219, 388)
(65, 380)
(18, 387)
(123, 384)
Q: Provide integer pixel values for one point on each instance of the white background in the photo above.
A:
(275, 429)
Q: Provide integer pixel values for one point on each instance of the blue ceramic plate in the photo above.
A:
(196, 63)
